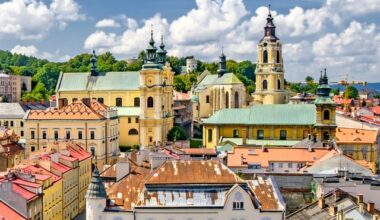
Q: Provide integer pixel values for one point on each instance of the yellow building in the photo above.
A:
(274, 125)
(360, 144)
(270, 83)
(133, 93)
(217, 91)
(92, 125)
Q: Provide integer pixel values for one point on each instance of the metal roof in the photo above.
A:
(277, 114)
(11, 110)
(96, 188)
(102, 82)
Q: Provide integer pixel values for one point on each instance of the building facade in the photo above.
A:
(11, 87)
(93, 126)
(11, 152)
(191, 64)
(11, 116)
(217, 91)
(270, 83)
(183, 112)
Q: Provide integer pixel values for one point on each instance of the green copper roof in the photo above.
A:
(239, 141)
(213, 79)
(102, 82)
(278, 114)
(96, 188)
(128, 111)
(324, 100)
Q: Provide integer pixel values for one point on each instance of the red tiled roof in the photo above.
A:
(68, 158)
(79, 153)
(23, 192)
(59, 167)
(376, 110)
(27, 183)
(353, 135)
(76, 110)
(179, 96)
(199, 151)
(7, 213)
(40, 170)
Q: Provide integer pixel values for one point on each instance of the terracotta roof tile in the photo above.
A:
(353, 135)
(7, 213)
(23, 192)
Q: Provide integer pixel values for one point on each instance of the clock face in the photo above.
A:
(265, 44)
(149, 81)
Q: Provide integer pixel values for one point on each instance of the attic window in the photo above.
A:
(238, 205)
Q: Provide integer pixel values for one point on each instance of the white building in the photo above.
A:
(184, 190)
(191, 64)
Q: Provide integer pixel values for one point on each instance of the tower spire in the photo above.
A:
(270, 28)
(93, 60)
(222, 64)
(161, 52)
(151, 49)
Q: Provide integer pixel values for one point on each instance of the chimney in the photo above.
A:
(244, 135)
(122, 169)
(360, 198)
(333, 210)
(371, 207)
(321, 202)
(360, 203)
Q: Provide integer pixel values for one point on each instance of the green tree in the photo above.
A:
(247, 68)
(176, 133)
(352, 92)
(309, 79)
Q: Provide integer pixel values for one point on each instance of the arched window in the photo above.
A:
(136, 102)
(133, 132)
(278, 84)
(265, 56)
(265, 84)
(326, 115)
(236, 100)
(150, 102)
(119, 102)
(227, 99)
(278, 56)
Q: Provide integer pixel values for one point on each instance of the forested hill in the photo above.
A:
(45, 73)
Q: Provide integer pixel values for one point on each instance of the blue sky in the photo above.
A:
(341, 35)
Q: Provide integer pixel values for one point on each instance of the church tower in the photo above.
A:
(269, 72)
(156, 95)
(325, 106)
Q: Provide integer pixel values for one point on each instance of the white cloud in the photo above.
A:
(32, 50)
(107, 23)
(32, 19)
(25, 50)
(313, 38)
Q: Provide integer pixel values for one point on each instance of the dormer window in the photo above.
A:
(238, 205)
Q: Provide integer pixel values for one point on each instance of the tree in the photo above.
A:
(352, 93)
(309, 79)
(176, 133)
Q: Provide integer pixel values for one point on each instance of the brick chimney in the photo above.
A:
(321, 202)
(360, 202)
(333, 210)
(371, 207)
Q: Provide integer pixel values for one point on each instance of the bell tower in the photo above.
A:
(269, 72)
(156, 95)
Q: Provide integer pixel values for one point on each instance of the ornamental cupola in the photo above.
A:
(270, 29)
(161, 52)
(323, 89)
(96, 188)
(222, 65)
(151, 50)
(93, 60)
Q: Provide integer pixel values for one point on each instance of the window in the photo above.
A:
(227, 99)
(136, 102)
(260, 134)
(238, 205)
(282, 134)
(207, 99)
(364, 152)
(326, 115)
(21, 124)
(265, 84)
(254, 166)
(32, 135)
(290, 165)
(150, 102)
(32, 148)
(22, 133)
(92, 135)
(278, 84)
(11, 123)
(209, 135)
(236, 100)
(235, 133)
(278, 56)
(280, 165)
(5, 123)
(119, 102)
(129, 120)
(80, 135)
(150, 139)
(265, 56)
(43, 134)
(101, 100)
(326, 135)
(133, 132)
(74, 99)
(137, 120)
(55, 135)
(68, 136)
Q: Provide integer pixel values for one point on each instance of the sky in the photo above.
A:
(340, 35)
